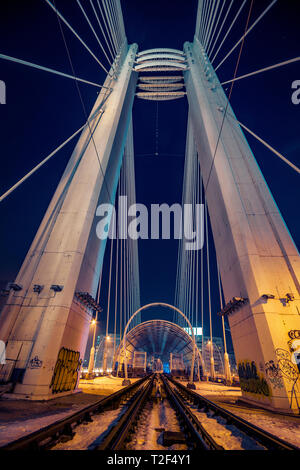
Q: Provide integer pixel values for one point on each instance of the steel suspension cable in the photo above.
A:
(201, 29)
(105, 22)
(207, 19)
(83, 106)
(113, 21)
(77, 36)
(113, 223)
(94, 32)
(216, 26)
(210, 51)
(208, 276)
(54, 152)
(116, 286)
(201, 267)
(47, 69)
(112, 31)
(113, 56)
(221, 305)
(209, 34)
(229, 29)
(116, 21)
(247, 32)
(294, 167)
(265, 69)
(228, 100)
(199, 17)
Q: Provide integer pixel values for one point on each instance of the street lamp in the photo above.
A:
(92, 351)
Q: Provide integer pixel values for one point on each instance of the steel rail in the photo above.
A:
(199, 435)
(119, 433)
(47, 436)
(264, 438)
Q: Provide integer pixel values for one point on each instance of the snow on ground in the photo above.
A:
(102, 385)
(284, 427)
(20, 417)
(154, 419)
(227, 436)
(14, 430)
(208, 389)
(88, 436)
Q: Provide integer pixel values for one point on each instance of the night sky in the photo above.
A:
(42, 110)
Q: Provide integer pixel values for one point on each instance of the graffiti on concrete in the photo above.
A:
(290, 371)
(294, 346)
(294, 334)
(66, 371)
(35, 363)
(251, 381)
(274, 374)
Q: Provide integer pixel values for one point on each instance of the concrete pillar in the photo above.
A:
(257, 257)
(46, 331)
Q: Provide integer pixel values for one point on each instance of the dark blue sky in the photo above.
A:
(42, 110)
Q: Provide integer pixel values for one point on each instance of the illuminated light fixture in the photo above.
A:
(161, 79)
(160, 65)
(86, 299)
(161, 96)
(268, 296)
(107, 338)
(38, 288)
(160, 51)
(161, 56)
(235, 304)
(56, 288)
(15, 287)
(93, 322)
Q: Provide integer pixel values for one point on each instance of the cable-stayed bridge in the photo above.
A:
(50, 305)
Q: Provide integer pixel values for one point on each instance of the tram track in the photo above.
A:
(183, 424)
(194, 400)
(64, 430)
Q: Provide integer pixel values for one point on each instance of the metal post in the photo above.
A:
(92, 351)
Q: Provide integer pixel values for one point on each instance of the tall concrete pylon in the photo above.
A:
(257, 257)
(44, 325)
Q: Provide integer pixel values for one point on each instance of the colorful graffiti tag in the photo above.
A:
(250, 380)
(289, 370)
(66, 371)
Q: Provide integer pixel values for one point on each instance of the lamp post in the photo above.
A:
(212, 361)
(104, 364)
(228, 378)
(92, 351)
